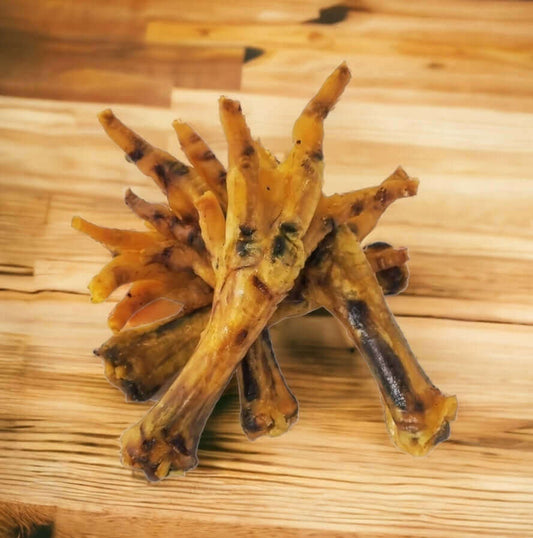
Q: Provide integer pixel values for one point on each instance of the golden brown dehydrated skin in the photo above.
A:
(260, 262)
(250, 252)
(140, 361)
(417, 413)
(122, 269)
(115, 240)
(136, 358)
(268, 407)
(183, 287)
(203, 160)
(181, 184)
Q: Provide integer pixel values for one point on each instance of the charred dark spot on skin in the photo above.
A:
(194, 138)
(279, 246)
(442, 435)
(381, 196)
(207, 156)
(178, 443)
(328, 223)
(133, 391)
(393, 280)
(261, 286)
(135, 155)
(246, 231)
(241, 336)
(157, 215)
(231, 106)
(248, 151)
(159, 171)
(243, 247)
(418, 406)
(384, 362)
(318, 109)
(178, 168)
(357, 208)
(378, 246)
(166, 254)
(148, 444)
(307, 165)
(288, 227)
(250, 386)
(317, 155)
(249, 422)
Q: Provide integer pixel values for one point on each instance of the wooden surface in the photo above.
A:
(445, 90)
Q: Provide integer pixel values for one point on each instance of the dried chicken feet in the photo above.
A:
(417, 414)
(262, 255)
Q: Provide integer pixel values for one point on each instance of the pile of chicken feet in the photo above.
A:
(233, 253)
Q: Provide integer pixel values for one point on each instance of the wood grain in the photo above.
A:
(445, 90)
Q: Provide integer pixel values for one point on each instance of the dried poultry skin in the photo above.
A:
(141, 361)
(247, 231)
(417, 414)
(261, 257)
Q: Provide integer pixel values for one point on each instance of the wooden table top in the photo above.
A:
(445, 90)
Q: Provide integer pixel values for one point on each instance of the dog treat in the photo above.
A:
(233, 252)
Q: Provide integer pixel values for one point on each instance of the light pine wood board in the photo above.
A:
(336, 471)
(444, 90)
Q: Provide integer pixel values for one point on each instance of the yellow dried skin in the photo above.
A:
(259, 264)
(124, 268)
(181, 184)
(117, 241)
(203, 160)
(417, 413)
(273, 394)
(268, 407)
(184, 288)
(247, 235)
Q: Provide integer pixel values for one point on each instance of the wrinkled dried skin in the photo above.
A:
(203, 160)
(183, 288)
(115, 240)
(261, 260)
(417, 413)
(181, 184)
(390, 266)
(140, 361)
(268, 407)
(360, 209)
(136, 358)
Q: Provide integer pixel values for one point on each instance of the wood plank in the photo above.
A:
(444, 89)
(89, 70)
(476, 256)
(61, 422)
